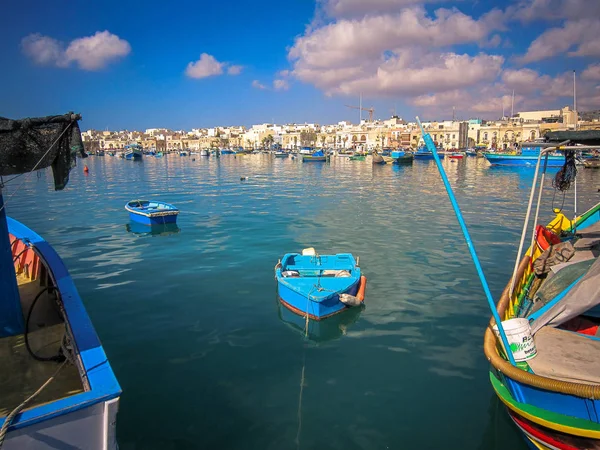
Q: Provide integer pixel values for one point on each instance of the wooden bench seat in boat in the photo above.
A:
(567, 356)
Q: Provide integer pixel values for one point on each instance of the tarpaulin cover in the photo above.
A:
(40, 142)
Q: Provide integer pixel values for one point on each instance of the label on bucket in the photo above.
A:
(518, 335)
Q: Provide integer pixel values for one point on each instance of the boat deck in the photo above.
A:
(564, 355)
(21, 374)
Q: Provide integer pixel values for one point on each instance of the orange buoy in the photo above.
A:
(361, 289)
(85, 169)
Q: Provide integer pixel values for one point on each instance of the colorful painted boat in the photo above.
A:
(183, 153)
(543, 340)
(317, 156)
(280, 154)
(402, 157)
(424, 154)
(591, 163)
(151, 212)
(456, 155)
(377, 159)
(60, 390)
(527, 158)
(133, 152)
(554, 396)
(357, 157)
(226, 151)
(319, 286)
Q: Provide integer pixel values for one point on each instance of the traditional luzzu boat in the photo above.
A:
(133, 152)
(61, 391)
(425, 154)
(548, 316)
(152, 212)
(528, 157)
(319, 286)
(317, 156)
(402, 157)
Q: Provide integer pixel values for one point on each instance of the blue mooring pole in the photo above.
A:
(431, 147)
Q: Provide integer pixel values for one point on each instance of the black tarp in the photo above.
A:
(586, 137)
(40, 142)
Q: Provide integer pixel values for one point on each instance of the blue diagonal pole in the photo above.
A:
(431, 147)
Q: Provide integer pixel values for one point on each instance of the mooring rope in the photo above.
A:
(17, 410)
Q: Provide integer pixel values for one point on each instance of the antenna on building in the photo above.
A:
(512, 105)
(575, 99)
(503, 108)
(453, 114)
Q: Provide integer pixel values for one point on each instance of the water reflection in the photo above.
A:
(152, 230)
(322, 330)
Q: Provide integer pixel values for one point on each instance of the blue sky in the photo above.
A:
(136, 65)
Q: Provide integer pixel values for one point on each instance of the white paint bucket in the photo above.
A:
(518, 334)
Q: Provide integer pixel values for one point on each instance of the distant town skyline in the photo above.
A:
(201, 64)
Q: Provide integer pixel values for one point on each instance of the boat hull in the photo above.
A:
(424, 156)
(156, 220)
(308, 158)
(133, 156)
(326, 307)
(521, 161)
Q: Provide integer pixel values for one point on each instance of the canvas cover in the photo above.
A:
(582, 297)
(587, 137)
(28, 143)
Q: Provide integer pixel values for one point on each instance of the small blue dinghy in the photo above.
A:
(318, 286)
(151, 212)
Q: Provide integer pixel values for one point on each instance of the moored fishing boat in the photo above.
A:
(152, 212)
(543, 341)
(528, 157)
(377, 159)
(456, 155)
(424, 154)
(133, 152)
(402, 157)
(319, 286)
(591, 163)
(280, 154)
(204, 152)
(357, 157)
(60, 391)
(317, 156)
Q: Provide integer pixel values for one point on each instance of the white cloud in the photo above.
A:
(280, 85)
(359, 8)
(42, 50)
(206, 66)
(532, 10)
(583, 36)
(234, 70)
(258, 85)
(89, 53)
(592, 72)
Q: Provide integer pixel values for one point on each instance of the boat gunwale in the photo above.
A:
(173, 211)
(98, 376)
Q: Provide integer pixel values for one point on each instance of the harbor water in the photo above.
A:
(206, 356)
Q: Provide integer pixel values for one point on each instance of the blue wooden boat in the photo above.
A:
(183, 153)
(402, 157)
(133, 152)
(227, 151)
(317, 156)
(527, 158)
(424, 154)
(60, 390)
(313, 285)
(152, 212)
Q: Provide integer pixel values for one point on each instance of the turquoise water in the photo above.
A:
(205, 356)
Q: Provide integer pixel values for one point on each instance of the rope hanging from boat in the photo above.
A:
(566, 175)
(18, 409)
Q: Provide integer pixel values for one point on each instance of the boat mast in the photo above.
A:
(512, 105)
(575, 99)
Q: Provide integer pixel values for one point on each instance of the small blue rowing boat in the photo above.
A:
(318, 286)
(152, 213)
(424, 153)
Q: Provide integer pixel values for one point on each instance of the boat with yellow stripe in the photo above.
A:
(549, 378)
